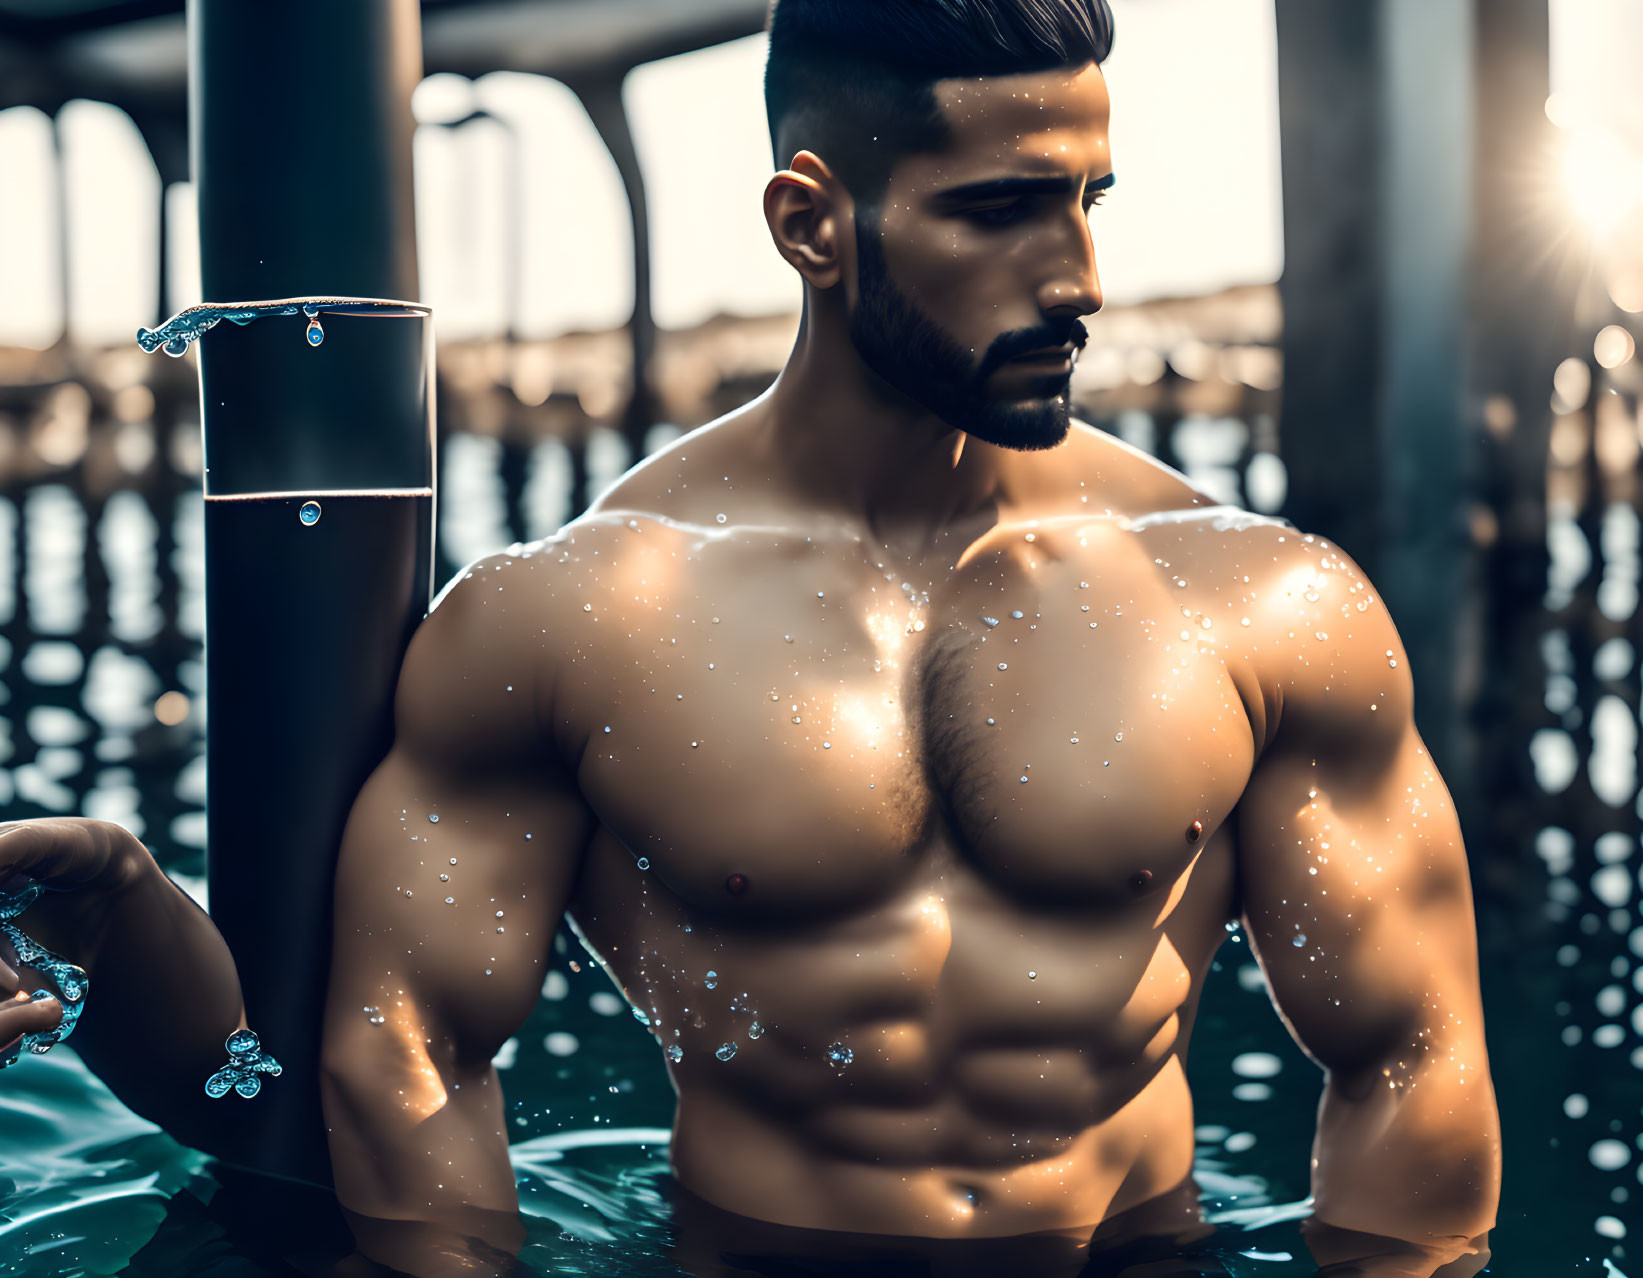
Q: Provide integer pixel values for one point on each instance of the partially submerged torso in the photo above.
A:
(966, 878)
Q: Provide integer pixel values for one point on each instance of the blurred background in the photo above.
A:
(1374, 266)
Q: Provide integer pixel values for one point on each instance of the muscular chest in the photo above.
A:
(800, 730)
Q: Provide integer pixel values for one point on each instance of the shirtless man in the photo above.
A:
(947, 731)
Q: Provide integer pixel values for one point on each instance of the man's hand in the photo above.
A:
(163, 992)
(1358, 905)
(88, 867)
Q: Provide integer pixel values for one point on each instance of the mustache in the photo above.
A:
(1018, 344)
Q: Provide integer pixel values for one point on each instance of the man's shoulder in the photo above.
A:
(1129, 480)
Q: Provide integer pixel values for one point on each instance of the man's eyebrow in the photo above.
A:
(996, 188)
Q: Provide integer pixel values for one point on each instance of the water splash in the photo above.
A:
(246, 1060)
(70, 980)
(186, 327)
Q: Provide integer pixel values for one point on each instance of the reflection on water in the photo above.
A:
(102, 712)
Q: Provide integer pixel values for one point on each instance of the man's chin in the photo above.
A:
(1031, 426)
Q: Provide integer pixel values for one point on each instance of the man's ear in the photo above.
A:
(810, 216)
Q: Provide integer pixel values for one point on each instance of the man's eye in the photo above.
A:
(998, 215)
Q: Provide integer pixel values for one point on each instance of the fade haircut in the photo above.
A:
(854, 80)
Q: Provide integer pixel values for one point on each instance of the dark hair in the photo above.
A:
(853, 80)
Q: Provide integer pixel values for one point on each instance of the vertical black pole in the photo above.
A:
(301, 138)
(1377, 134)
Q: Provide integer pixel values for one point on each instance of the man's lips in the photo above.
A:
(1046, 354)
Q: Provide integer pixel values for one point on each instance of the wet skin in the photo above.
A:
(761, 666)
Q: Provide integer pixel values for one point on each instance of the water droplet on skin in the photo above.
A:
(1003, 665)
(726, 1051)
(711, 980)
(450, 900)
(1300, 940)
(644, 863)
(1118, 737)
(1195, 830)
(315, 334)
(990, 621)
(838, 1056)
(1032, 976)
(755, 1030)
(788, 638)
(309, 514)
(990, 723)
(374, 1015)
(827, 745)
(675, 1053)
(453, 860)
(1017, 614)
(1023, 779)
(720, 518)
(1141, 880)
(640, 1017)
(444, 878)
(433, 817)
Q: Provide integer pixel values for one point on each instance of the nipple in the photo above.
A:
(1194, 831)
(736, 884)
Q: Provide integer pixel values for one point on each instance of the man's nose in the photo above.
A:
(1075, 288)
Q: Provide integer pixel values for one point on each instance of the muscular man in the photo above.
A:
(948, 732)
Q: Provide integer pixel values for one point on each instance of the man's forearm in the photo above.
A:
(163, 995)
(1412, 1150)
(419, 1151)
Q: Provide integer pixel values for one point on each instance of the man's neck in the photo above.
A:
(842, 439)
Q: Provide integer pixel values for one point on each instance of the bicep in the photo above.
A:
(1352, 872)
(1356, 900)
(463, 846)
(445, 926)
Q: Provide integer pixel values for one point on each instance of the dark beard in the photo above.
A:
(914, 354)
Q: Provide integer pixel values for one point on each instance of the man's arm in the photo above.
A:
(456, 863)
(1357, 903)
